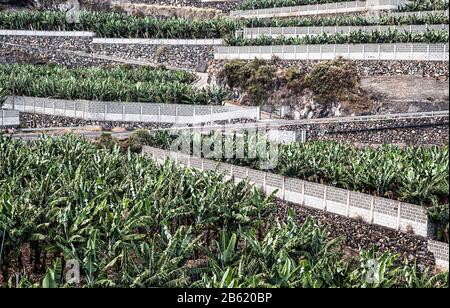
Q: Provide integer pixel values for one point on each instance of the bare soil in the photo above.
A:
(407, 93)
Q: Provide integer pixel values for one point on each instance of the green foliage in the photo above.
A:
(107, 142)
(137, 139)
(122, 83)
(354, 37)
(261, 4)
(416, 175)
(330, 79)
(3, 94)
(120, 25)
(349, 20)
(128, 221)
(132, 223)
(439, 215)
(425, 5)
(255, 78)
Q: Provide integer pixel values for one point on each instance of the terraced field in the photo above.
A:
(359, 201)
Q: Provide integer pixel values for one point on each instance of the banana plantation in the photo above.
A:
(120, 25)
(349, 20)
(354, 37)
(388, 171)
(122, 83)
(262, 4)
(425, 5)
(124, 26)
(79, 191)
(129, 222)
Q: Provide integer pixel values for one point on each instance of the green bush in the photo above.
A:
(329, 79)
(255, 78)
(106, 141)
(137, 139)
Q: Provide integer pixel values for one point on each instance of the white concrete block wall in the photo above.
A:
(9, 118)
(440, 252)
(138, 41)
(321, 9)
(381, 211)
(46, 33)
(133, 112)
(398, 51)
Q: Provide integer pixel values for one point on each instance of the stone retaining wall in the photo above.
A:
(224, 5)
(359, 218)
(405, 131)
(369, 68)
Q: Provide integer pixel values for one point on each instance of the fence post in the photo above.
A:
(283, 188)
(123, 113)
(372, 206)
(325, 199)
(265, 182)
(142, 113)
(303, 193)
(203, 164)
(106, 111)
(159, 113)
(347, 211)
(231, 171)
(399, 213)
(445, 53)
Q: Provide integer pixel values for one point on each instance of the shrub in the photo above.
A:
(137, 139)
(107, 141)
(255, 78)
(329, 79)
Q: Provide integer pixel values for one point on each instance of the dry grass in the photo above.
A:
(139, 9)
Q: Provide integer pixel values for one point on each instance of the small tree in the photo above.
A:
(328, 80)
(137, 139)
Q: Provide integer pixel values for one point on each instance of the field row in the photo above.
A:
(119, 25)
(129, 222)
(123, 83)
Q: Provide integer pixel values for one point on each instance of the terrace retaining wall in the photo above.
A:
(9, 118)
(381, 211)
(131, 112)
(440, 252)
(223, 5)
(321, 9)
(368, 52)
(373, 210)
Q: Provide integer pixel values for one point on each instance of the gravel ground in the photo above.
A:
(30, 120)
(358, 234)
(56, 43)
(34, 55)
(192, 57)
